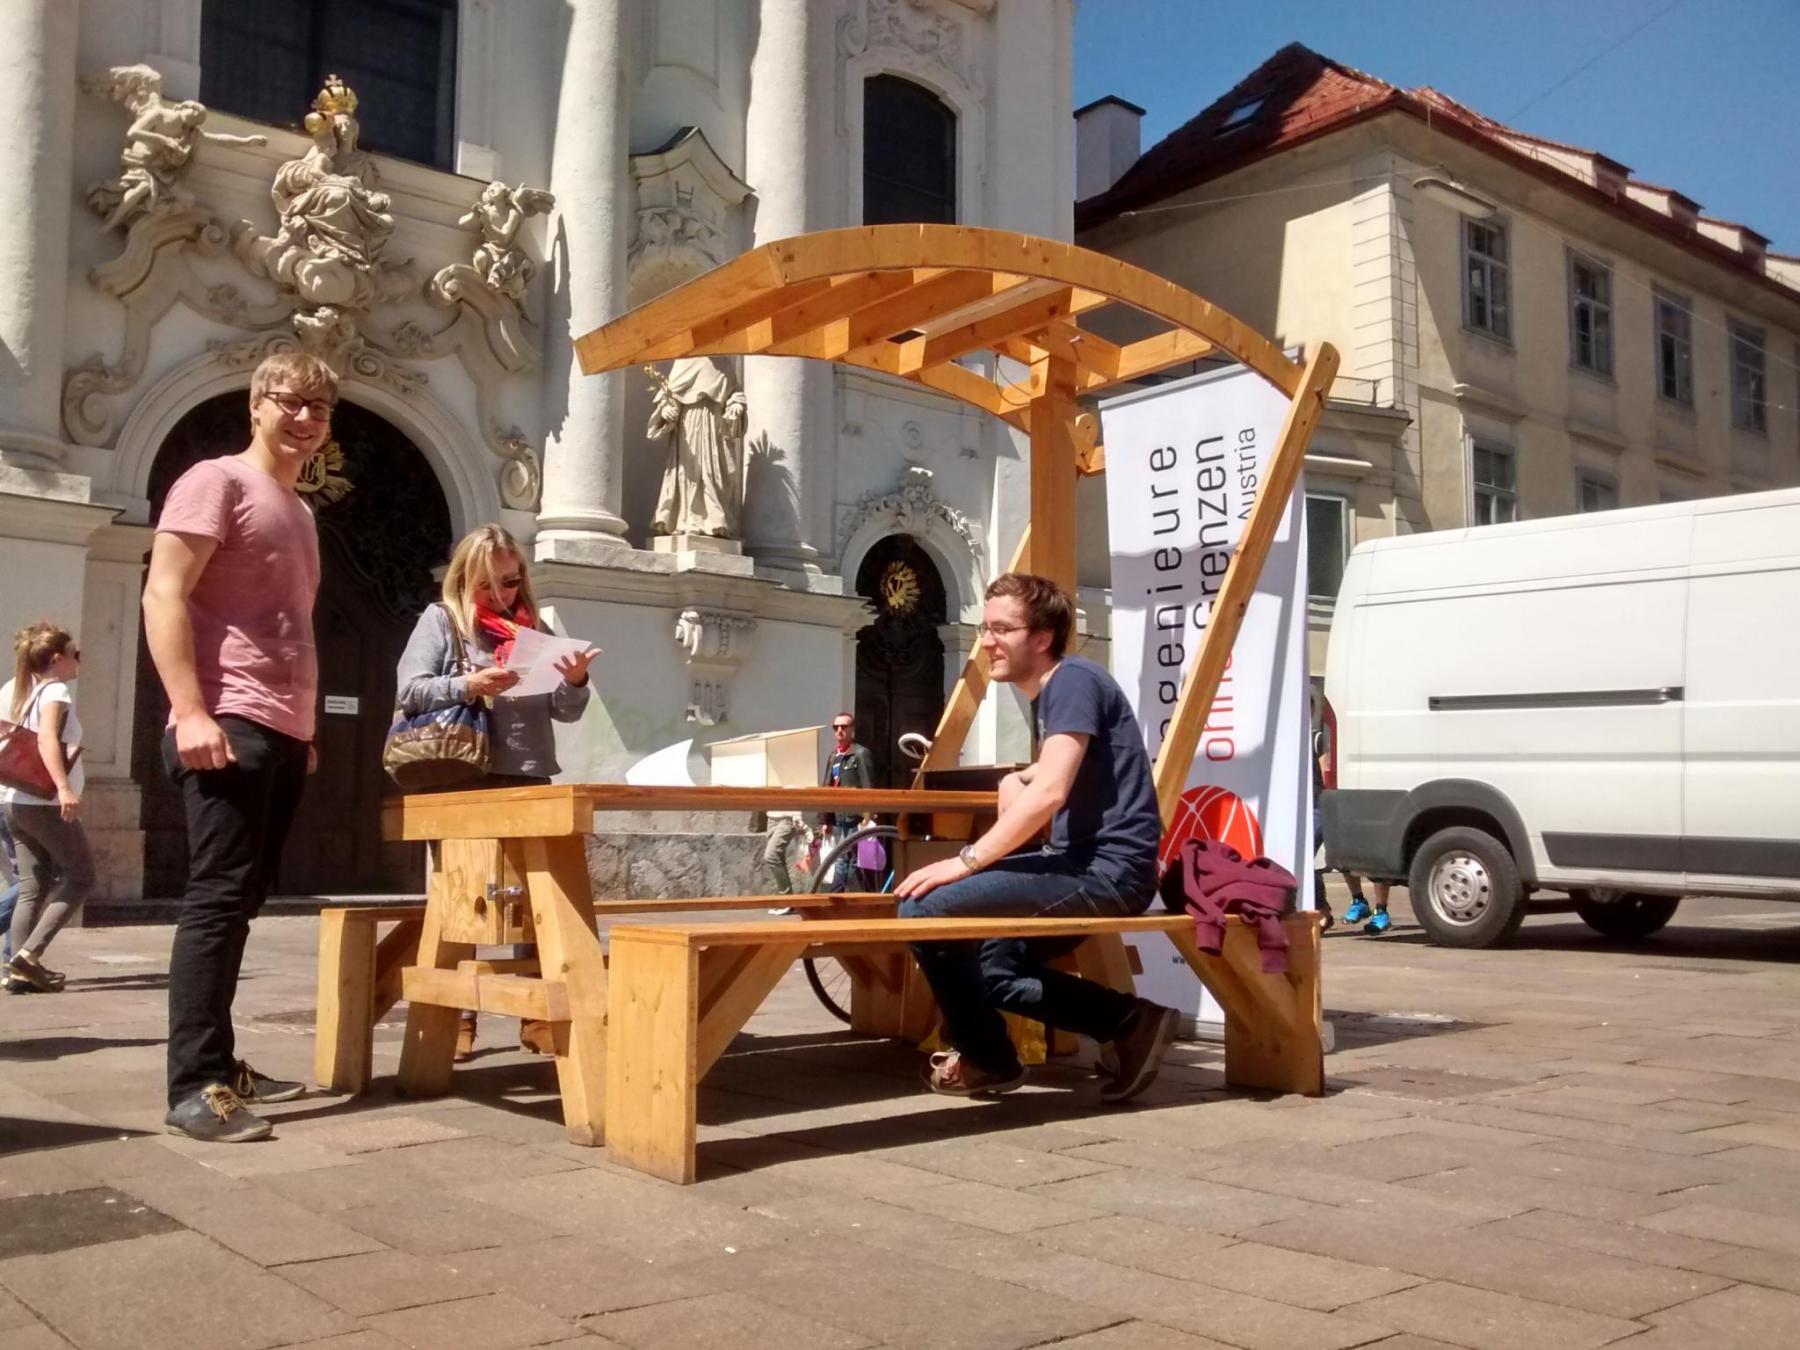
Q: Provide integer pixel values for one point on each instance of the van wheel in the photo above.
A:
(1633, 915)
(1465, 889)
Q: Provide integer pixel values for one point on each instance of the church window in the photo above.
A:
(909, 154)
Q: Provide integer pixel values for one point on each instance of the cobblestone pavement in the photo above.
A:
(1563, 1144)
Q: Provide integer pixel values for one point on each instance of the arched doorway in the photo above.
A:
(383, 527)
(899, 657)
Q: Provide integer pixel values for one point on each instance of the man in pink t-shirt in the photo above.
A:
(228, 614)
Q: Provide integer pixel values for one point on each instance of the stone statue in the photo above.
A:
(334, 226)
(159, 146)
(498, 213)
(703, 417)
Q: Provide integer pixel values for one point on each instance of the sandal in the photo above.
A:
(951, 1074)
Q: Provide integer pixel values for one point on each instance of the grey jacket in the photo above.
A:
(523, 739)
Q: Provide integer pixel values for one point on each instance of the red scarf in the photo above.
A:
(499, 628)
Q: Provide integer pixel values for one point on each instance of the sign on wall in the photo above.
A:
(1183, 461)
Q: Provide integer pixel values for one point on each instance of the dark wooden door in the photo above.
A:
(899, 656)
(383, 527)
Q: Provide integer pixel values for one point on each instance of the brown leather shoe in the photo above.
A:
(537, 1037)
(465, 1037)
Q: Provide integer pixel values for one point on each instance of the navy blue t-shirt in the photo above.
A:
(1110, 822)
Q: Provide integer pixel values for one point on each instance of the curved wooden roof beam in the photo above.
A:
(913, 300)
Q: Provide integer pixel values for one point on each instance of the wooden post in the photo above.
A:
(1194, 703)
(1054, 449)
(562, 908)
(971, 688)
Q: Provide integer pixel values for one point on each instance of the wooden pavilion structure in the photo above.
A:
(916, 302)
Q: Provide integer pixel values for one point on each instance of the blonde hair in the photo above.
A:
(472, 566)
(35, 646)
(301, 371)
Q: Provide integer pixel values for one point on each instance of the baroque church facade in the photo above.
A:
(438, 195)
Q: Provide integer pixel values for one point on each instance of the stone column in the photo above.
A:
(584, 450)
(37, 147)
(790, 425)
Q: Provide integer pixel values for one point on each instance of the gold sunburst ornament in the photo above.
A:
(322, 476)
(899, 588)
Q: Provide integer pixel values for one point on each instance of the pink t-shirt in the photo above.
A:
(252, 607)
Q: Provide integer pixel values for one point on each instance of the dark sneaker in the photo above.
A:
(1141, 1050)
(955, 1076)
(28, 968)
(251, 1086)
(215, 1115)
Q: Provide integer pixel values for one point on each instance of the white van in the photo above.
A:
(1605, 705)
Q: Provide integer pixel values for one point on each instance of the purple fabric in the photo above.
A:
(870, 855)
(1211, 880)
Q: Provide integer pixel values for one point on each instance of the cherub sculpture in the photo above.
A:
(498, 214)
(159, 146)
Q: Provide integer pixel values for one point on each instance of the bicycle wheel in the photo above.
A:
(830, 981)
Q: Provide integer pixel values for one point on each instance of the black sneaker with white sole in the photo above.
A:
(215, 1115)
(252, 1086)
(1146, 1039)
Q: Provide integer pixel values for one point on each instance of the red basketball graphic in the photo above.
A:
(1209, 812)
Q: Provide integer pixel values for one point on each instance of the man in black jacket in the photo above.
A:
(851, 766)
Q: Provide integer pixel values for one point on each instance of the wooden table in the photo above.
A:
(510, 866)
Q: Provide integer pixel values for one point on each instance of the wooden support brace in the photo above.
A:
(569, 952)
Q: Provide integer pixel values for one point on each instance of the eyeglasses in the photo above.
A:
(842, 726)
(1002, 630)
(291, 403)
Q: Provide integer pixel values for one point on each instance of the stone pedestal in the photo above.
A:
(696, 543)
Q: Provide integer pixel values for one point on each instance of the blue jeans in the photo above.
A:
(975, 981)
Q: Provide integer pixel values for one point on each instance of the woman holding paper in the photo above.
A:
(463, 649)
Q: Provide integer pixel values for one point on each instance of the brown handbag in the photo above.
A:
(22, 765)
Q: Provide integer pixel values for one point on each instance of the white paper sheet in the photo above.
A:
(534, 657)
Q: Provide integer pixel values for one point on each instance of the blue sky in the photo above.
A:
(1700, 100)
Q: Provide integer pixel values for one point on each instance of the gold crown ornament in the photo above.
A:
(336, 97)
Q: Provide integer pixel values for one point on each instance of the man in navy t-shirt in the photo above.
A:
(1091, 785)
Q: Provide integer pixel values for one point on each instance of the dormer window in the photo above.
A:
(1243, 114)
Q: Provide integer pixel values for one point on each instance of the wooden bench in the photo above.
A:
(678, 994)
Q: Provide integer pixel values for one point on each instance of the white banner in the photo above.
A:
(1183, 462)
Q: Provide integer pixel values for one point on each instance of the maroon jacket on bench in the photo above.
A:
(1211, 880)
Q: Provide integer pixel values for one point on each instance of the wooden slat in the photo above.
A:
(909, 309)
(1149, 355)
(973, 388)
(652, 1073)
(428, 1052)
(966, 695)
(742, 996)
(819, 931)
(843, 298)
(508, 995)
(495, 813)
(1053, 477)
(562, 909)
(982, 334)
(1280, 473)
(827, 902)
(342, 1044)
(625, 340)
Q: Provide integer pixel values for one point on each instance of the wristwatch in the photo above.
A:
(969, 860)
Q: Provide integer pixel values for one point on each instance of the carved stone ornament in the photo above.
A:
(909, 508)
(325, 264)
(918, 30)
(713, 645)
(684, 225)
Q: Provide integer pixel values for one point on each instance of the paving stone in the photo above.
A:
(1736, 1226)
(428, 1225)
(1491, 1260)
(477, 1158)
(577, 1277)
(486, 1322)
(1628, 1240)
(791, 1164)
(721, 1322)
(1594, 1163)
(272, 1231)
(1741, 1315)
(37, 1336)
(877, 1223)
(14, 1313)
(55, 1222)
(994, 1207)
(385, 1281)
(636, 1214)
(367, 1135)
(1773, 1270)
(1300, 1278)
(1657, 1141)
(995, 1162)
(1181, 1253)
(1498, 1185)
(356, 1340)
(1484, 1320)
(361, 1182)
(1137, 1335)
(899, 1300)
(1184, 1202)
(166, 1290)
(275, 1154)
(42, 1173)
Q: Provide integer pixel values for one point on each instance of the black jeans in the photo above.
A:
(973, 981)
(237, 821)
